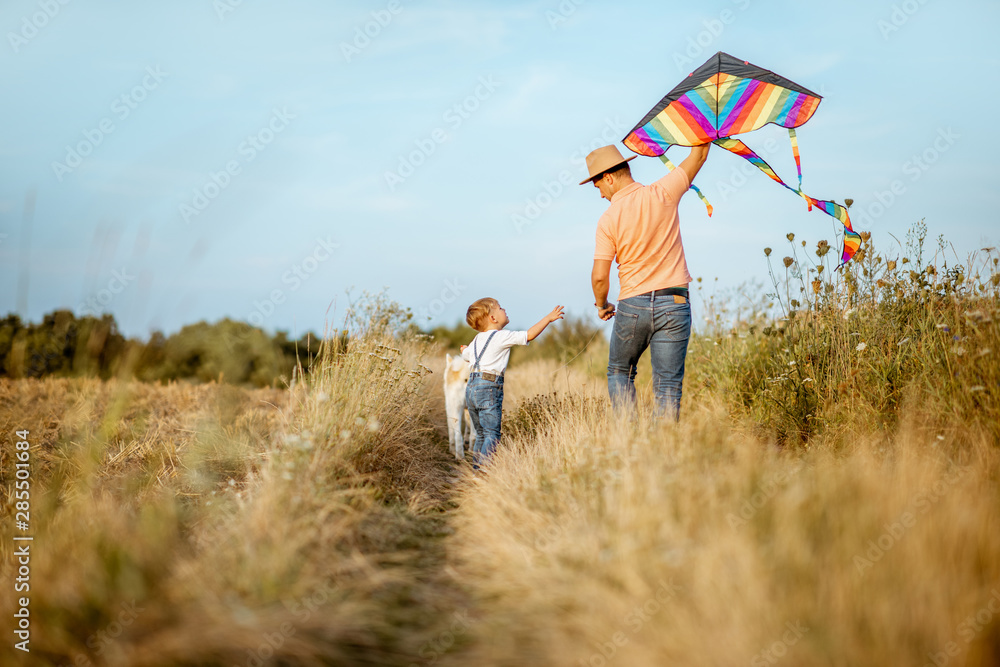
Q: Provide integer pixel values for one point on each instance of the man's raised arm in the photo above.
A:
(693, 162)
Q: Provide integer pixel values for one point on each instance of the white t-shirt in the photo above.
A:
(497, 353)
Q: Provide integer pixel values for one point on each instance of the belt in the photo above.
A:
(492, 377)
(668, 291)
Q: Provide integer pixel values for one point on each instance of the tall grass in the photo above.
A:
(211, 525)
(604, 541)
(830, 496)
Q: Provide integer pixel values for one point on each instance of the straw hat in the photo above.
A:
(603, 159)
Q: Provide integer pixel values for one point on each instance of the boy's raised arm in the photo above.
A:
(534, 331)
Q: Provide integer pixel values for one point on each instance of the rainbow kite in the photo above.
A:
(724, 97)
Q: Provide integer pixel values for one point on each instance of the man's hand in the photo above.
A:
(462, 348)
(606, 312)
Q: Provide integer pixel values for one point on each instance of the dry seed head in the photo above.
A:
(819, 269)
(906, 260)
(848, 202)
(790, 236)
(803, 244)
(787, 261)
(891, 265)
(767, 252)
(865, 236)
(817, 286)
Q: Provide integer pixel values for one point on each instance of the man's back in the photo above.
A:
(641, 230)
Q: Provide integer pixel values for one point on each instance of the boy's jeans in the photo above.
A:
(484, 399)
(664, 327)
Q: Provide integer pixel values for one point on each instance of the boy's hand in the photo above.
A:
(556, 314)
(462, 348)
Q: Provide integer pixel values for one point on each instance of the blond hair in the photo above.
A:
(479, 313)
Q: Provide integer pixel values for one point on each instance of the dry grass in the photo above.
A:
(210, 525)
(696, 544)
(819, 504)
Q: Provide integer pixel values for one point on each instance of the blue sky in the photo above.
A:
(199, 160)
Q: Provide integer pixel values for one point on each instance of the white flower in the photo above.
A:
(958, 350)
(978, 387)
(807, 380)
(903, 342)
(861, 346)
(791, 363)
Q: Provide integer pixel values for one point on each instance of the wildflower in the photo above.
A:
(861, 346)
(803, 244)
(976, 388)
(848, 202)
(791, 363)
(790, 236)
(906, 260)
(767, 253)
(819, 269)
(891, 265)
(822, 248)
(787, 261)
(865, 236)
(995, 279)
(931, 271)
(958, 350)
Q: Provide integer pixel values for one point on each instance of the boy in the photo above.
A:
(488, 353)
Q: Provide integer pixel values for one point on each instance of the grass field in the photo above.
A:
(831, 496)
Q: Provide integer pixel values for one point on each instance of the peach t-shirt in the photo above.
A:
(642, 231)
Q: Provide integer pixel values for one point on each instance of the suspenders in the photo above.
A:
(479, 355)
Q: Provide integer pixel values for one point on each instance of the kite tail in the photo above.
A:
(670, 167)
(798, 163)
(852, 240)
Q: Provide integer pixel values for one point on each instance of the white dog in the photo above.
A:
(456, 377)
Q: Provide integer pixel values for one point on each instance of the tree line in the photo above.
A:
(64, 345)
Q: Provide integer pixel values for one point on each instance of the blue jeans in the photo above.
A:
(484, 399)
(664, 327)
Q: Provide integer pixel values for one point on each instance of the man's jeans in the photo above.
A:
(664, 327)
(484, 399)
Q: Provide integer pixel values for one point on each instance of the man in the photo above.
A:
(641, 230)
